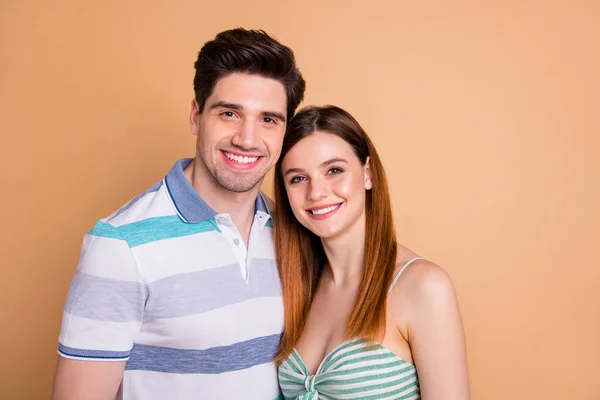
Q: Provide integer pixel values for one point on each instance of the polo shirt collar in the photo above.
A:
(189, 205)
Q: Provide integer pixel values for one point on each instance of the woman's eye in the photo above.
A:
(297, 179)
(335, 170)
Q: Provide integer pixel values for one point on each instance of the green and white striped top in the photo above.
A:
(357, 369)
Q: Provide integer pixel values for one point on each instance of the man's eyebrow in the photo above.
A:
(224, 104)
(233, 106)
(323, 164)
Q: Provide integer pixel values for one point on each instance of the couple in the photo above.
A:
(185, 291)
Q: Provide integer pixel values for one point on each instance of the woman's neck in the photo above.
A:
(345, 255)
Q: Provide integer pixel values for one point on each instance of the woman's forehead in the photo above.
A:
(317, 148)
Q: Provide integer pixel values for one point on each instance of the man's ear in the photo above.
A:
(194, 112)
(367, 170)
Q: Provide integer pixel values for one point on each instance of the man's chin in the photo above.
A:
(240, 185)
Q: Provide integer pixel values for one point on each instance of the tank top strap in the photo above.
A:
(401, 271)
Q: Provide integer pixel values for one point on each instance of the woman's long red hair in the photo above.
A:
(300, 255)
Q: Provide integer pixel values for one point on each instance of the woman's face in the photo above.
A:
(326, 184)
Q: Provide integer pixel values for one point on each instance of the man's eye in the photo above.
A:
(227, 113)
(270, 120)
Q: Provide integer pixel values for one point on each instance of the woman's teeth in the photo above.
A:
(324, 210)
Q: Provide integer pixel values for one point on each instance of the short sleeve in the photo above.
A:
(105, 305)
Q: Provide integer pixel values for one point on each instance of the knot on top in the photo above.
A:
(309, 384)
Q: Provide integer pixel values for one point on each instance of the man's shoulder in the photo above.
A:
(150, 203)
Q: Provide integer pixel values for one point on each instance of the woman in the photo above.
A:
(365, 318)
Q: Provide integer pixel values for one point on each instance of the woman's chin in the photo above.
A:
(326, 233)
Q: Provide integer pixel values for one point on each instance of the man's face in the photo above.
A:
(240, 130)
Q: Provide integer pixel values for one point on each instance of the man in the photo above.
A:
(177, 294)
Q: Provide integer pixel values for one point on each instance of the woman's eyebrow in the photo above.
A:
(323, 164)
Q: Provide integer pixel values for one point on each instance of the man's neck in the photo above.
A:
(240, 206)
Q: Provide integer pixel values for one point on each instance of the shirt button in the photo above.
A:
(222, 220)
(236, 241)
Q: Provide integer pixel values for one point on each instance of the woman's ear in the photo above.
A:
(367, 170)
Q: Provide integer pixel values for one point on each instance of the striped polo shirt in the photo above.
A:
(168, 285)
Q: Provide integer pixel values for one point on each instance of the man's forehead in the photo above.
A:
(250, 92)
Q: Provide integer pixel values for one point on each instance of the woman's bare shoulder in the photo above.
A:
(421, 280)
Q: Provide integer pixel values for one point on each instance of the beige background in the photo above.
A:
(486, 117)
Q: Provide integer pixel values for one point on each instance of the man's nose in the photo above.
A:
(246, 136)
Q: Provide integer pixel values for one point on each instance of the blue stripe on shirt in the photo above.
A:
(215, 360)
(105, 299)
(152, 229)
(210, 289)
(161, 228)
(92, 354)
(105, 230)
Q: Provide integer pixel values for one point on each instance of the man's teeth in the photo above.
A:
(324, 210)
(240, 159)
